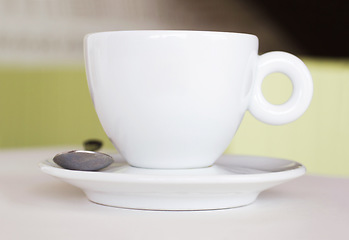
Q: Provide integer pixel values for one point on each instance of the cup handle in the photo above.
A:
(300, 99)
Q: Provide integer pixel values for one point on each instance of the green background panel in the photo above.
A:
(50, 106)
(45, 106)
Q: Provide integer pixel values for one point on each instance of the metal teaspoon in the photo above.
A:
(83, 160)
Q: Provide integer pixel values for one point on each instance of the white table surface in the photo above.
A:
(34, 205)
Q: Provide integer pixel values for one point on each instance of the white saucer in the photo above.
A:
(232, 182)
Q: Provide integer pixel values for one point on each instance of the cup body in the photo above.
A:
(170, 99)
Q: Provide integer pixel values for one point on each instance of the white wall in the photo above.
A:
(52, 30)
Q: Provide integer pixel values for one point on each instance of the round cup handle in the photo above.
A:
(300, 99)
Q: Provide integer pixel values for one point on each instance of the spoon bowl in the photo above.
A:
(82, 160)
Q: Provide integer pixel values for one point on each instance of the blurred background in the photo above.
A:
(44, 99)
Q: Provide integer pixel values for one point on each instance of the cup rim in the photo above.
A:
(231, 34)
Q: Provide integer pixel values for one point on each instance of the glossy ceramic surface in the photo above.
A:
(175, 99)
(232, 182)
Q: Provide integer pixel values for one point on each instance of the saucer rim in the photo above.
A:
(50, 168)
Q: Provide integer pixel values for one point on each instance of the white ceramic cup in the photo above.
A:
(174, 99)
